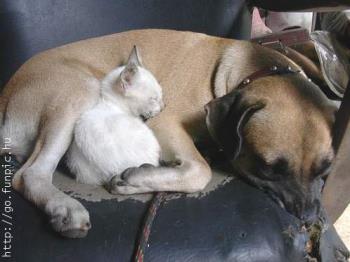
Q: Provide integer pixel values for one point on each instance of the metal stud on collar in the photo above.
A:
(246, 81)
(270, 71)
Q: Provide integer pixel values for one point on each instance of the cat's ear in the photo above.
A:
(127, 75)
(135, 57)
(131, 68)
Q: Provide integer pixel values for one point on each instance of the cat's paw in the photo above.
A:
(129, 172)
(68, 217)
(122, 188)
(137, 176)
(172, 163)
(131, 181)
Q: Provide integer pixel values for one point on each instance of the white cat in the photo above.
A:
(111, 137)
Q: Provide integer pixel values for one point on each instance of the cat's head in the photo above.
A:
(141, 88)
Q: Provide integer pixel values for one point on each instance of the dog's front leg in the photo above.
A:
(34, 180)
(190, 174)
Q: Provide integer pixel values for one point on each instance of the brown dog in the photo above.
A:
(276, 130)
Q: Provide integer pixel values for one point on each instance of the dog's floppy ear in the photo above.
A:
(225, 119)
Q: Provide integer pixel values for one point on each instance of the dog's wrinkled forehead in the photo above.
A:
(295, 123)
(303, 137)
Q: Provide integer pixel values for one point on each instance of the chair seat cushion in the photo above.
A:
(229, 221)
(31, 26)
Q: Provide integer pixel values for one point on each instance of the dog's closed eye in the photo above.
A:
(323, 169)
(276, 170)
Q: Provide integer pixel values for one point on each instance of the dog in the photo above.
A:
(276, 131)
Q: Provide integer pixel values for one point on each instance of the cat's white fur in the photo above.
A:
(111, 137)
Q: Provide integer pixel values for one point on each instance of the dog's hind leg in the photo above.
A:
(34, 179)
(191, 174)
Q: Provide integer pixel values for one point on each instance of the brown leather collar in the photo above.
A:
(274, 70)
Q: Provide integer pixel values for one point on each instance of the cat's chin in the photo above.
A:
(150, 114)
(145, 117)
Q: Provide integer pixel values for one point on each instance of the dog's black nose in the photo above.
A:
(310, 215)
(309, 220)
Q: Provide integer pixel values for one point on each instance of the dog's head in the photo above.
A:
(277, 134)
(140, 87)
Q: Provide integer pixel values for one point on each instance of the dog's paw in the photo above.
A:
(68, 217)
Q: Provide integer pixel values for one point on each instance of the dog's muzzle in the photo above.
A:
(305, 205)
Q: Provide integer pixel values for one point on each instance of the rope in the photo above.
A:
(142, 242)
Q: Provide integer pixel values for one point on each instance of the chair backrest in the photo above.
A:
(30, 26)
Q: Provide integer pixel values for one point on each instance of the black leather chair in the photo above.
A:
(232, 222)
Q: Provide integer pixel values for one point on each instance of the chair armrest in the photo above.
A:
(302, 5)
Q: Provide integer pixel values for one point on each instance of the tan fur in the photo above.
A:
(289, 125)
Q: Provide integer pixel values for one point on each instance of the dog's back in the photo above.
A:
(62, 83)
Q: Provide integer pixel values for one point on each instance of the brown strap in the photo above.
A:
(142, 242)
(284, 38)
(274, 70)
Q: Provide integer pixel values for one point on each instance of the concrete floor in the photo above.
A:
(342, 226)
